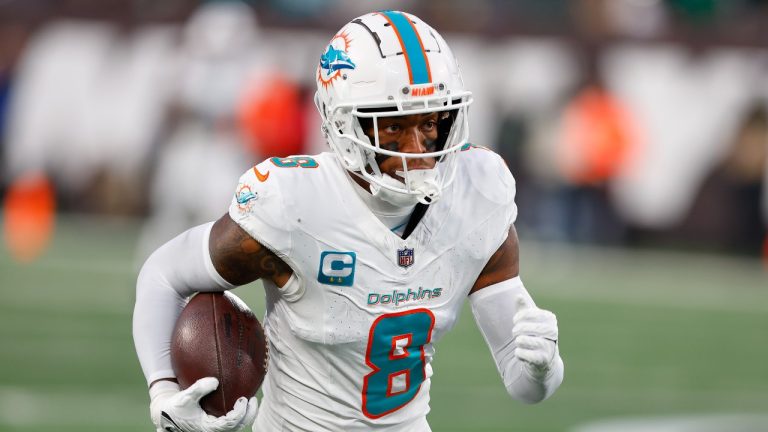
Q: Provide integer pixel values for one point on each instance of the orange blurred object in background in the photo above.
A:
(271, 116)
(597, 137)
(29, 213)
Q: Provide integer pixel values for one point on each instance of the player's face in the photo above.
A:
(416, 133)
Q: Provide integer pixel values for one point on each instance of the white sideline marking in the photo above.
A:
(699, 423)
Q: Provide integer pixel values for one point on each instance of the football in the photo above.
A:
(217, 335)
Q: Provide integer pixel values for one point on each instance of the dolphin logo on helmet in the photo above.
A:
(334, 59)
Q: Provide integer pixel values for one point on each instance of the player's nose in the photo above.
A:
(415, 142)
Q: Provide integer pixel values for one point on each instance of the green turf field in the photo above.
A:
(643, 336)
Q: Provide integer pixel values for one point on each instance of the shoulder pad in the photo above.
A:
(488, 173)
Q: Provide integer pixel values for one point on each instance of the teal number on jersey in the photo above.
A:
(293, 162)
(396, 357)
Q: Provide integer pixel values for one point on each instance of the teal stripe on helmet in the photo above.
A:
(412, 47)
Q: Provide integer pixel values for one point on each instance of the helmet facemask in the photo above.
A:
(345, 130)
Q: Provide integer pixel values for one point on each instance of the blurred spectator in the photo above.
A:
(597, 135)
(203, 152)
(271, 116)
(596, 138)
(727, 212)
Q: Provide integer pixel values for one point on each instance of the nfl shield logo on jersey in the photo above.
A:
(405, 257)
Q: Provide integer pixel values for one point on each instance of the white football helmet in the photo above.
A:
(387, 64)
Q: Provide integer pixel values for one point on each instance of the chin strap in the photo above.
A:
(398, 199)
(423, 181)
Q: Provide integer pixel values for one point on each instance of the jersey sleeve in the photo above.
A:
(258, 206)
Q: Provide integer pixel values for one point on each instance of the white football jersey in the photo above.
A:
(351, 334)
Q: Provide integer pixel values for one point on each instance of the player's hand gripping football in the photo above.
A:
(175, 410)
(534, 331)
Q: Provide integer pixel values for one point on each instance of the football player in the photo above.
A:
(367, 253)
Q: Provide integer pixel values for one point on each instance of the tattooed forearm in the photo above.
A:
(240, 259)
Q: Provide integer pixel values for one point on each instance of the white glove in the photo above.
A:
(534, 331)
(173, 410)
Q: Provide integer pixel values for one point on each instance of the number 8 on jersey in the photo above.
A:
(395, 355)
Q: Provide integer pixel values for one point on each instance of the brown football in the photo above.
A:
(217, 335)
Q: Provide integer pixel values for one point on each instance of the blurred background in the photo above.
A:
(637, 131)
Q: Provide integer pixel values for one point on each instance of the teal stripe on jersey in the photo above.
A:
(412, 48)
